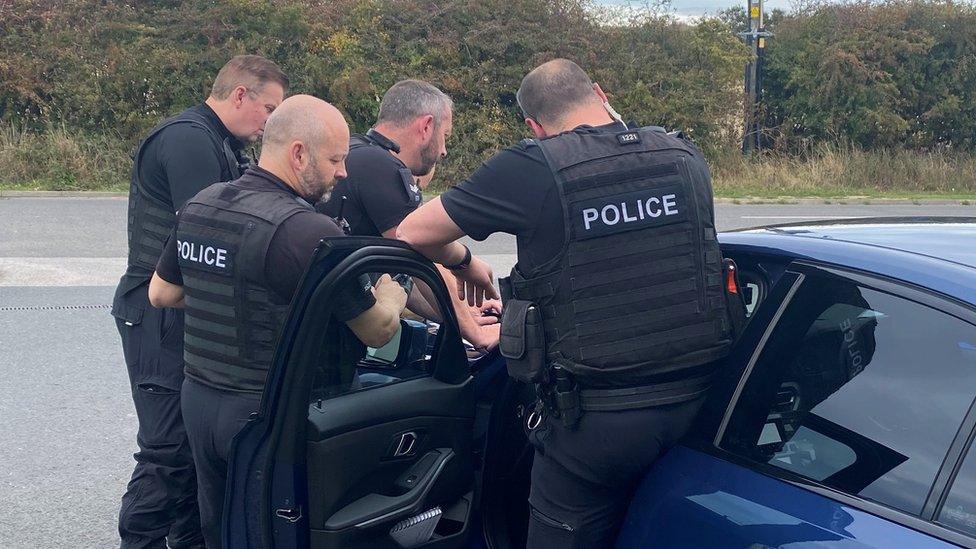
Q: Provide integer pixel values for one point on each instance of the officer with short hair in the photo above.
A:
(615, 308)
(389, 168)
(234, 260)
(182, 155)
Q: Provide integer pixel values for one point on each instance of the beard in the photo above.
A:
(428, 159)
(314, 186)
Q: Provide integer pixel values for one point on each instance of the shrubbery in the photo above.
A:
(108, 66)
(897, 75)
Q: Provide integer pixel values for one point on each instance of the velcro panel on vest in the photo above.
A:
(607, 249)
(629, 211)
(644, 341)
(232, 319)
(150, 224)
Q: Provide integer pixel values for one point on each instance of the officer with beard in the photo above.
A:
(234, 261)
(388, 169)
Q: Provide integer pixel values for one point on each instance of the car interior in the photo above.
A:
(423, 443)
(410, 451)
(815, 354)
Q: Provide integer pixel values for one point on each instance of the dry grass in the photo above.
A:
(59, 160)
(841, 171)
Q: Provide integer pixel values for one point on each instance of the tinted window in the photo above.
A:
(859, 390)
(959, 511)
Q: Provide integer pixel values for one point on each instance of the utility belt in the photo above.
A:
(523, 344)
(566, 400)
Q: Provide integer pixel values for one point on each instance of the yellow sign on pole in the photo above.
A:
(754, 12)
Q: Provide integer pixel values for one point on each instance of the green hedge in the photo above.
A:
(896, 75)
(111, 67)
(877, 75)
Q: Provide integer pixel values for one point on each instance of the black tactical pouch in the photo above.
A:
(523, 341)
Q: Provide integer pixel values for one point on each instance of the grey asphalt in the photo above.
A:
(67, 426)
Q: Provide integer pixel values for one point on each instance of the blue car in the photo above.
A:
(844, 416)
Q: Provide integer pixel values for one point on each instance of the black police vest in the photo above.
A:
(635, 295)
(151, 217)
(233, 318)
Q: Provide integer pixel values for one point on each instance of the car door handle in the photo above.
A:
(373, 509)
(404, 444)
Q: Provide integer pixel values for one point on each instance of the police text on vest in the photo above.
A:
(202, 253)
(626, 212)
(611, 214)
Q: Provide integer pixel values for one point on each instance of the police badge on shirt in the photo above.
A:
(414, 194)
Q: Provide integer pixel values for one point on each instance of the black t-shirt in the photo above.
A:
(289, 252)
(183, 159)
(378, 190)
(514, 192)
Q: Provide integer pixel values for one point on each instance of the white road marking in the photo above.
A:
(61, 271)
(106, 271)
(798, 216)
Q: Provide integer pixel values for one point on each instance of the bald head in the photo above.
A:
(553, 89)
(303, 118)
(306, 141)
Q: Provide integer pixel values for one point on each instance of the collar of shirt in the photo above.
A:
(611, 127)
(261, 176)
(222, 130)
(392, 155)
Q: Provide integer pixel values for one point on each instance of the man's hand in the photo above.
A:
(491, 306)
(475, 282)
(390, 293)
(488, 313)
(485, 337)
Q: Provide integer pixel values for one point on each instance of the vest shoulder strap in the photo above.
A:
(186, 117)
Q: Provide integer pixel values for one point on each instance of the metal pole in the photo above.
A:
(753, 38)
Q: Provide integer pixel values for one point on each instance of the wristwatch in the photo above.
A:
(463, 264)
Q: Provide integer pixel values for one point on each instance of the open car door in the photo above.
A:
(355, 447)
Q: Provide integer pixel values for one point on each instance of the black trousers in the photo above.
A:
(213, 417)
(160, 502)
(583, 478)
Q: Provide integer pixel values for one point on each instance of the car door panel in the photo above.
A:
(345, 471)
(692, 499)
(374, 446)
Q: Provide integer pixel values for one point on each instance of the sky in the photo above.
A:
(697, 8)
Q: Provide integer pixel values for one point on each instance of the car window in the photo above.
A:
(857, 389)
(959, 511)
(348, 365)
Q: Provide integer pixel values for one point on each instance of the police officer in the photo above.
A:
(235, 259)
(389, 167)
(179, 157)
(615, 308)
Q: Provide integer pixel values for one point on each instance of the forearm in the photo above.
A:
(430, 231)
(449, 253)
(423, 302)
(377, 325)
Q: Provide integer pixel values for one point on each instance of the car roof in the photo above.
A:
(934, 252)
